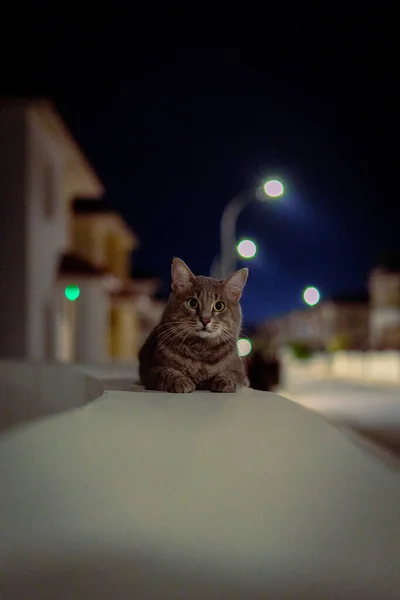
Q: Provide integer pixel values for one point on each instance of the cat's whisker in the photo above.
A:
(169, 323)
(231, 338)
(169, 335)
(236, 334)
(170, 328)
(184, 339)
(170, 343)
(225, 340)
(230, 333)
(171, 338)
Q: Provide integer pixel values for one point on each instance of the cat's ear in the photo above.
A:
(235, 283)
(182, 276)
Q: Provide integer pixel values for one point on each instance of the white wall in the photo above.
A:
(47, 235)
(31, 390)
(382, 319)
(92, 313)
(369, 366)
(30, 243)
(379, 367)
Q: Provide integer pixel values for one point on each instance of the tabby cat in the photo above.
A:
(194, 346)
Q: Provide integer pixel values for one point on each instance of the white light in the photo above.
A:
(247, 249)
(311, 296)
(273, 188)
(244, 346)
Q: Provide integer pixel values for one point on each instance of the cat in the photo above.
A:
(195, 344)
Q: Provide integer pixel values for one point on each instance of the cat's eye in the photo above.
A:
(192, 303)
(219, 306)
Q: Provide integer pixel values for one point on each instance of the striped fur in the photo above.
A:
(195, 348)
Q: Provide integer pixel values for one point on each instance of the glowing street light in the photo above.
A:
(223, 267)
(311, 296)
(247, 249)
(244, 347)
(273, 188)
(72, 292)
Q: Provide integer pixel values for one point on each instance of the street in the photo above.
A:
(371, 410)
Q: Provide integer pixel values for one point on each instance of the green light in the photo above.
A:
(72, 292)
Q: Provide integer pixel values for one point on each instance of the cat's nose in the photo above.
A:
(205, 320)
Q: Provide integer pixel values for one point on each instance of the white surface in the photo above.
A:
(32, 242)
(189, 497)
(366, 406)
(30, 390)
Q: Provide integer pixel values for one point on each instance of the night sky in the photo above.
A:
(180, 111)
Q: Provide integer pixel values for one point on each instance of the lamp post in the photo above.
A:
(225, 264)
(247, 249)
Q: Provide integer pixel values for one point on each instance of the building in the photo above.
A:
(105, 243)
(337, 322)
(67, 292)
(384, 288)
(42, 170)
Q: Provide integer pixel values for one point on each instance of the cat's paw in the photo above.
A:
(223, 384)
(180, 385)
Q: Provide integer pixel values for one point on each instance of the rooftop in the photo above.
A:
(82, 175)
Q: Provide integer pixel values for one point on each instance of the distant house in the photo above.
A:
(384, 286)
(341, 320)
(105, 310)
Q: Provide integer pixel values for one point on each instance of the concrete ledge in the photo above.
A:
(30, 390)
(160, 496)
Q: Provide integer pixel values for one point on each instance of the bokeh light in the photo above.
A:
(311, 296)
(273, 188)
(72, 292)
(244, 346)
(247, 249)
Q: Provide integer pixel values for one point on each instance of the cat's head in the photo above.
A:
(209, 307)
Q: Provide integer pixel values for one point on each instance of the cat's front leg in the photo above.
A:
(169, 380)
(229, 381)
(224, 383)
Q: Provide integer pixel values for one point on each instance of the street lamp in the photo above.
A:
(226, 264)
(311, 296)
(247, 248)
(273, 188)
(244, 347)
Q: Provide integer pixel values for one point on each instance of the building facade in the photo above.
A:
(51, 244)
(384, 288)
(341, 322)
(41, 171)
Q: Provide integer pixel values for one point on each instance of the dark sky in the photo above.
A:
(180, 111)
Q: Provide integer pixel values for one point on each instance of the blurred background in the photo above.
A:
(132, 134)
